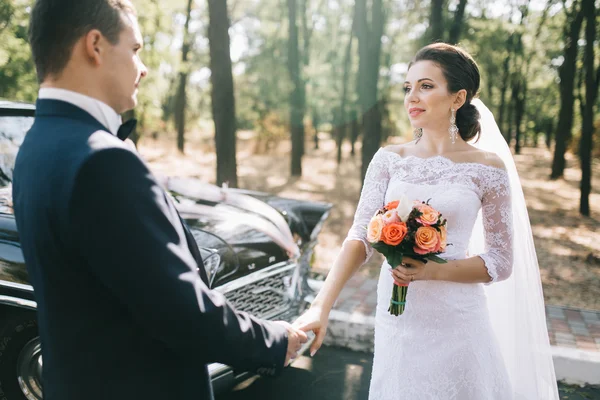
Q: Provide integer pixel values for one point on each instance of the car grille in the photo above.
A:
(264, 298)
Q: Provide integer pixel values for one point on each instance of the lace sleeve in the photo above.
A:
(372, 197)
(497, 224)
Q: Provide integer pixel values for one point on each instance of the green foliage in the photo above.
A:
(17, 73)
(259, 51)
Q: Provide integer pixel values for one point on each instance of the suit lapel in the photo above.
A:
(191, 242)
(195, 251)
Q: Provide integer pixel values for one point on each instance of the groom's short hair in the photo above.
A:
(56, 25)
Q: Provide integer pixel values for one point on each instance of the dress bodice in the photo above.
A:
(458, 190)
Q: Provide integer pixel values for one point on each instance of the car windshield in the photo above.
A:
(12, 133)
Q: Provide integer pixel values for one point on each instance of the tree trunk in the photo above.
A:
(315, 124)
(307, 31)
(369, 49)
(436, 21)
(458, 23)
(504, 127)
(490, 92)
(519, 91)
(297, 96)
(180, 98)
(510, 121)
(222, 93)
(567, 98)
(591, 91)
(354, 131)
(342, 119)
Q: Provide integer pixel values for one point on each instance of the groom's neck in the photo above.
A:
(73, 82)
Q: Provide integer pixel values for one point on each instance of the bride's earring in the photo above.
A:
(453, 130)
(417, 133)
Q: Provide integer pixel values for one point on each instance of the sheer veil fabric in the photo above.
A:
(516, 304)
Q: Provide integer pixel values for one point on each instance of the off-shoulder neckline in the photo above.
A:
(443, 158)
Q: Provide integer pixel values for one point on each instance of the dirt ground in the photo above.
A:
(568, 245)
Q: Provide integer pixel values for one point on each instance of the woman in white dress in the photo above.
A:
(474, 327)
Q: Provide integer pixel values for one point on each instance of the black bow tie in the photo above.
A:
(126, 129)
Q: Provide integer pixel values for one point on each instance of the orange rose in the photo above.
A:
(392, 204)
(429, 217)
(394, 233)
(427, 240)
(443, 235)
(374, 229)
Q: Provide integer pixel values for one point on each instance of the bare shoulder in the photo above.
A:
(484, 157)
(400, 149)
(491, 159)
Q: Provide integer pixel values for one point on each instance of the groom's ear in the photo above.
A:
(95, 46)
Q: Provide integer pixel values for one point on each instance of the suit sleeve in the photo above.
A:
(132, 240)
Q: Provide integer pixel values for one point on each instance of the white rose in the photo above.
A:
(404, 208)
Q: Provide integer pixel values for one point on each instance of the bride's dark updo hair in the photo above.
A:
(461, 72)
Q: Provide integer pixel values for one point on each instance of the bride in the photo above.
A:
(474, 328)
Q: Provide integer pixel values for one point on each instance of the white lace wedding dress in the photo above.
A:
(442, 346)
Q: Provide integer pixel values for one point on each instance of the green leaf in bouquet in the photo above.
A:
(394, 258)
(381, 247)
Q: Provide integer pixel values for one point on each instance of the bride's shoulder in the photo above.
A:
(486, 158)
(398, 149)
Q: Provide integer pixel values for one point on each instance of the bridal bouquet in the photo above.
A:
(401, 229)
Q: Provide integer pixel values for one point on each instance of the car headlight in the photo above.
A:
(211, 260)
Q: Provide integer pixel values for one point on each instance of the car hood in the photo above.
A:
(195, 196)
(258, 229)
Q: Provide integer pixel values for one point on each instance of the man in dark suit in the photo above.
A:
(122, 310)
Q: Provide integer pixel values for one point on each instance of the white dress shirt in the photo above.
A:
(102, 112)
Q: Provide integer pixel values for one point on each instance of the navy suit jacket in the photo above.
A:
(122, 310)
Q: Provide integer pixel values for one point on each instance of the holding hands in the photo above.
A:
(296, 338)
(314, 319)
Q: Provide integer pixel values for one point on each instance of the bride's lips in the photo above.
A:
(415, 112)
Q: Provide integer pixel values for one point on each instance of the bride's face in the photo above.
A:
(427, 100)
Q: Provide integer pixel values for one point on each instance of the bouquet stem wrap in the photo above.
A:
(398, 301)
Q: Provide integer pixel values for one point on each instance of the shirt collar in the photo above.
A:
(102, 112)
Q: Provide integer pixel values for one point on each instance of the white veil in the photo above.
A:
(517, 304)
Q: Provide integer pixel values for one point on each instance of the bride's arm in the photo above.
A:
(470, 270)
(355, 250)
(351, 257)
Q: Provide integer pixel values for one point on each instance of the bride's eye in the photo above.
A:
(406, 89)
(427, 86)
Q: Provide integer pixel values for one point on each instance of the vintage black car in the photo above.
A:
(257, 250)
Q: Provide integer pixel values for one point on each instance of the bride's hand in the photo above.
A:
(411, 270)
(314, 319)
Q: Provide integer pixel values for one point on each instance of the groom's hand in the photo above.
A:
(296, 338)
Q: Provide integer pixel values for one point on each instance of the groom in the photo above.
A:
(122, 310)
